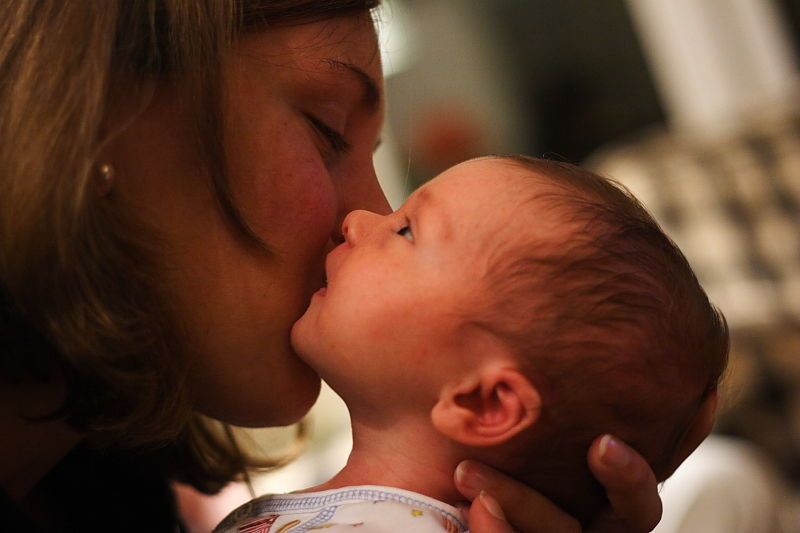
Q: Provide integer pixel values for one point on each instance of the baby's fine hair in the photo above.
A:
(610, 324)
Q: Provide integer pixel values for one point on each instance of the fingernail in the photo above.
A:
(613, 453)
(469, 477)
(492, 506)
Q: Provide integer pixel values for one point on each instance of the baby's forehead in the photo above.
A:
(494, 204)
(526, 195)
(510, 180)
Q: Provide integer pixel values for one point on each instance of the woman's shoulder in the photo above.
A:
(93, 491)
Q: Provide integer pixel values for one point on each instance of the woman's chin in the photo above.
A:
(298, 402)
(286, 406)
(278, 400)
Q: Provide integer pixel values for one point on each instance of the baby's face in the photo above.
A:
(401, 285)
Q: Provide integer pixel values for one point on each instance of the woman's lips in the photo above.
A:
(332, 261)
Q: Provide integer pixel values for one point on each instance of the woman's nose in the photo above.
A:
(358, 224)
(370, 193)
(362, 191)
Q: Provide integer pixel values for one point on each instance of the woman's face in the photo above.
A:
(303, 108)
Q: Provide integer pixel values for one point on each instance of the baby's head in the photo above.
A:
(525, 306)
(610, 325)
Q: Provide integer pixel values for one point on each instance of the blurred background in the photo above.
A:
(693, 104)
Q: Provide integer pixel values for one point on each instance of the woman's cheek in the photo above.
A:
(315, 214)
(298, 214)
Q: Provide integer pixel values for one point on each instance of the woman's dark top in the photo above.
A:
(90, 491)
(12, 518)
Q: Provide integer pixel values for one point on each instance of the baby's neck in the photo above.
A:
(410, 456)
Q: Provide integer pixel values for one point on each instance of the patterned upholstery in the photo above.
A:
(733, 207)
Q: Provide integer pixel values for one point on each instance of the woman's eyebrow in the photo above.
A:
(371, 98)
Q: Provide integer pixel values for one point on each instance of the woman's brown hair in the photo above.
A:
(79, 298)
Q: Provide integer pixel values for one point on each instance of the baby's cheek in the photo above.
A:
(389, 321)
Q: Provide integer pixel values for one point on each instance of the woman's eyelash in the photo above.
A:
(334, 138)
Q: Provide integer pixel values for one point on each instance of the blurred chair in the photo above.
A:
(732, 204)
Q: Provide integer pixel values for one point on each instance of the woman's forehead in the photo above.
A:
(348, 39)
(331, 56)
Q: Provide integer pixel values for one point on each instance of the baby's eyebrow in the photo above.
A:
(427, 203)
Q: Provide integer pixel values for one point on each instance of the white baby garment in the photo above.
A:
(361, 509)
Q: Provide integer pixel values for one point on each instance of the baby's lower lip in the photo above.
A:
(321, 291)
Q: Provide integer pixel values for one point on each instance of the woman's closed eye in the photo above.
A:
(335, 140)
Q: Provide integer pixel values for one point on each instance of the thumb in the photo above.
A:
(486, 516)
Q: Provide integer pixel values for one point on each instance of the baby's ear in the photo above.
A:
(488, 407)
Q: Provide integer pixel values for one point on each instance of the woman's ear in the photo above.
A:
(488, 407)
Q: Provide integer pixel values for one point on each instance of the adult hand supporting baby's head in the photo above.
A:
(502, 505)
(499, 502)
(630, 483)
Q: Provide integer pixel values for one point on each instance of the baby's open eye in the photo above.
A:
(405, 232)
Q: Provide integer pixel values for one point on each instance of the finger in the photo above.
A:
(629, 482)
(526, 510)
(486, 516)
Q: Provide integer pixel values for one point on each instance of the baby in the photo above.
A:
(512, 310)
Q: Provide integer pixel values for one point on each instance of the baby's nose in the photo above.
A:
(357, 225)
